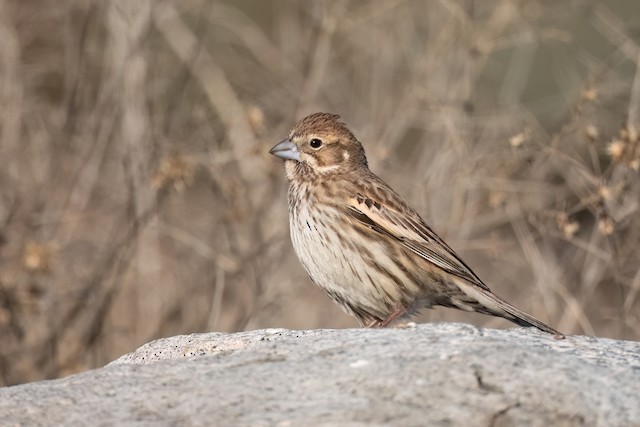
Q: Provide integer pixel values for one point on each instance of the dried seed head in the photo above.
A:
(174, 170)
(568, 227)
(605, 192)
(383, 152)
(517, 140)
(616, 149)
(592, 132)
(606, 225)
(256, 118)
(590, 94)
(38, 257)
(561, 219)
(497, 198)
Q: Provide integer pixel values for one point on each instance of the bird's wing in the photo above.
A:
(411, 231)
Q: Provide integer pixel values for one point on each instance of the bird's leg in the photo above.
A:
(393, 316)
(375, 323)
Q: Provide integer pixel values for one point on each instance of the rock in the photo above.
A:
(431, 374)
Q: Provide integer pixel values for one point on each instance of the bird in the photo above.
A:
(362, 244)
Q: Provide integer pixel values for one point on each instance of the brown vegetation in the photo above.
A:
(138, 200)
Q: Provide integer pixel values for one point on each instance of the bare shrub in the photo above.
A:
(137, 198)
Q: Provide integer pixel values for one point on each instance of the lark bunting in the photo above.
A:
(360, 241)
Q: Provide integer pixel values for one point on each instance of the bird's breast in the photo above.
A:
(316, 240)
(351, 265)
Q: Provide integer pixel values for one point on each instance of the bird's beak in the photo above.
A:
(287, 150)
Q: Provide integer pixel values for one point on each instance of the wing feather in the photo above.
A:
(411, 231)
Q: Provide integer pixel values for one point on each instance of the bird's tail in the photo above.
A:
(490, 303)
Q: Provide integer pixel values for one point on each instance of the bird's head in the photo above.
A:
(320, 144)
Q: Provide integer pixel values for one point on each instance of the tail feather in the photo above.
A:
(494, 305)
(523, 319)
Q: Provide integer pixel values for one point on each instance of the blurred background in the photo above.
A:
(138, 199)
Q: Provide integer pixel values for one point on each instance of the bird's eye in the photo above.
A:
(315, 143)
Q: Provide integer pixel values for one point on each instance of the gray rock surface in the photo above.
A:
(432, 374)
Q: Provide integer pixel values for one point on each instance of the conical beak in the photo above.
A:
(287, 150)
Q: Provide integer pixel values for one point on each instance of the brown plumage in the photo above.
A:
(362, 244)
